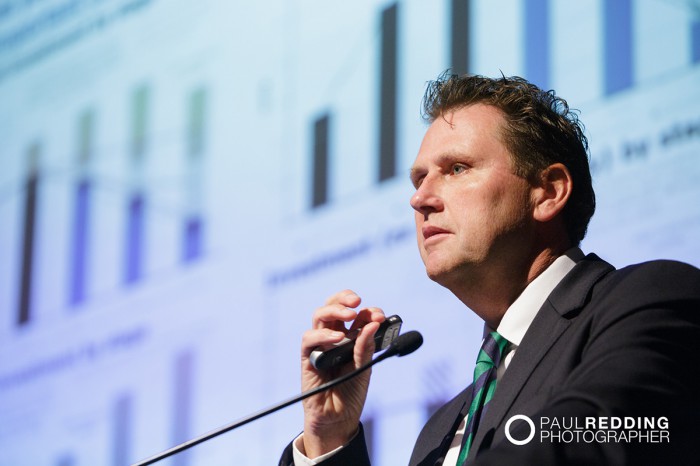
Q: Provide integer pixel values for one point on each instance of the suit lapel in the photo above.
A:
(545, 330)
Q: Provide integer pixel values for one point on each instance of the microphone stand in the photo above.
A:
(405, 344)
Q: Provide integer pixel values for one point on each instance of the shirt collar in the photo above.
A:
(522, 312)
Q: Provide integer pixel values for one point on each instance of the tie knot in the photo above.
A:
(492, 349)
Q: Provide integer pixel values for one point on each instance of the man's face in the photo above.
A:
(472, 212)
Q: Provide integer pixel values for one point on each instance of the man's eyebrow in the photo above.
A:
(451, 156)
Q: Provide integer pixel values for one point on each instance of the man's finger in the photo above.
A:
(367, 315)
(346, 297)
(318, 337)
(364, 345)
(332, 316)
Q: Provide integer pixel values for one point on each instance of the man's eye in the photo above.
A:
(457, 169)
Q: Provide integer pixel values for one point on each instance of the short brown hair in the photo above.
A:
(540, 130)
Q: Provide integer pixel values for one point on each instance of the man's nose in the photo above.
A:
(427, 199)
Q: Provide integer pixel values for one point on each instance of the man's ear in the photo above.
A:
(551, 192)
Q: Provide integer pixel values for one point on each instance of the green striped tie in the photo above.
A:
(484, 387)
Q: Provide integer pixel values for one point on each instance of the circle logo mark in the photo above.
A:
(520, 417)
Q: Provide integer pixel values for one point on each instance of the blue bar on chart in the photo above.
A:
(387, 93)
(136, 203)
(319, 169)
(192, 237)
(31, 194)
(81, 213)
(617, 43)
(459, 36)
(122, 423)
(695, 39)
(182, 404)
(537, 42)
(192, 244)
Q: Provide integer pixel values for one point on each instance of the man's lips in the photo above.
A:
(430, 231)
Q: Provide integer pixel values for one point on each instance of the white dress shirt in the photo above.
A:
(513, 327)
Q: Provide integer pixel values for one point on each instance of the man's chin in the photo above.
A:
(440, 275)
(451, 276)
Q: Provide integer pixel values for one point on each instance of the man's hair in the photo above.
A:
(539, 130)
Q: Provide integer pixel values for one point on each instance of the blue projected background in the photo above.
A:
(182, 182)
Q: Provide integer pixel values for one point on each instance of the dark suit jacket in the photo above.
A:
(605, 343)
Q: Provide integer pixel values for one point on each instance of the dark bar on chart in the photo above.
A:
(192, 238)
(319, 192)
(136, 204)
(31, 188)
(182, 405)
(135, 226)
(81, 213)
(617, 41)
(695, 38)
(537, 45)
(122, 418)
(459, 40)
(387, 93)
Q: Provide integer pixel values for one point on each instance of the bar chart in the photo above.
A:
(182, 187)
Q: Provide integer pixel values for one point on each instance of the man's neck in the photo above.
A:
(490, 294)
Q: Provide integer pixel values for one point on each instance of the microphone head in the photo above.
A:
(406, 343)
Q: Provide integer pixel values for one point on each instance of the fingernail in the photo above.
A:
(337, 334)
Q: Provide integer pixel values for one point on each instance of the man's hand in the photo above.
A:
(331, 418)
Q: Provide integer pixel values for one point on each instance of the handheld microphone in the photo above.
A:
(405, 344)
(401, 346)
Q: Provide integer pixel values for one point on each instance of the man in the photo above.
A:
(503, 198)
